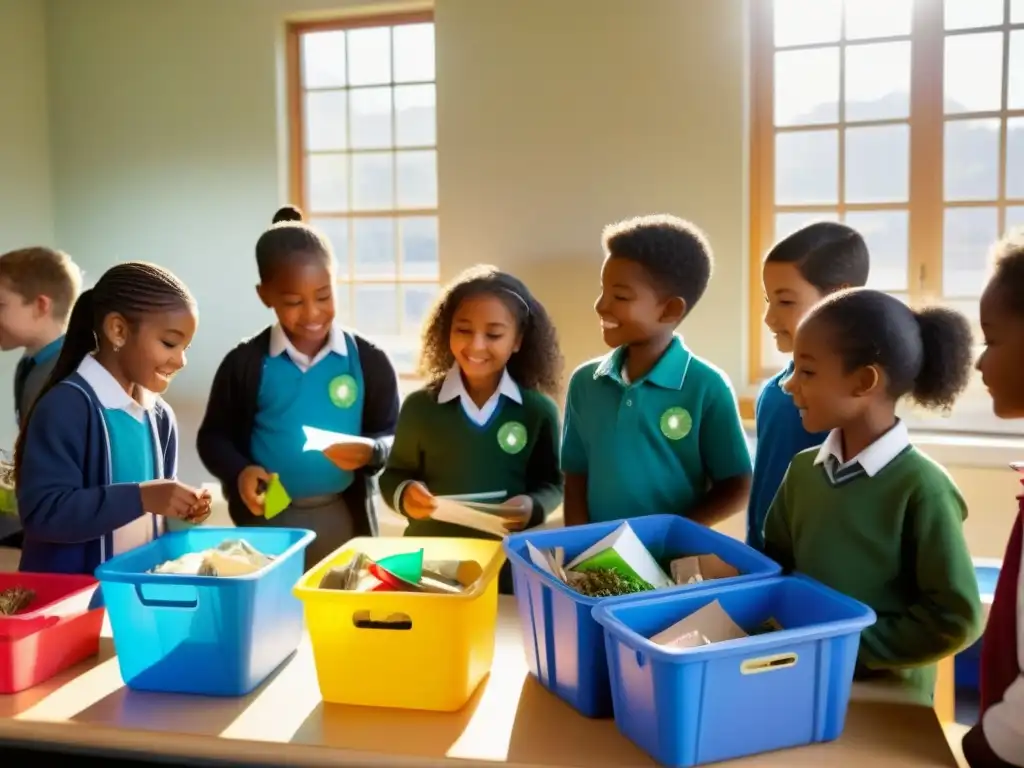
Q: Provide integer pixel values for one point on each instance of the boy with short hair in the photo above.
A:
(650, 427)
(38, 287)
(800, 270)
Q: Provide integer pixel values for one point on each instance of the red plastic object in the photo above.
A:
(58, 631)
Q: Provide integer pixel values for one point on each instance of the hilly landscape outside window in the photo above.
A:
(904, 119)
(364, 167)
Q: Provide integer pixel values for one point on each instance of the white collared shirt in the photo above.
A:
(453, 387)
(872, 459)
(112, 396)
(280, 343)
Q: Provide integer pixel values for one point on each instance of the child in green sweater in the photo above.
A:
(485, 422)
(867, 513)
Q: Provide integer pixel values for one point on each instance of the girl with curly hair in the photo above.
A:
(485, 423)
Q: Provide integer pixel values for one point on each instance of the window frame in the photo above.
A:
(296, 123)
(925, 204)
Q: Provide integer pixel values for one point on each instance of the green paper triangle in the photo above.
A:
(407, 566)
(276, 498)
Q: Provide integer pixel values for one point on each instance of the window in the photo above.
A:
(364, 167)
(904, 119)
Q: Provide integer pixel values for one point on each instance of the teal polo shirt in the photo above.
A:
(652, 446)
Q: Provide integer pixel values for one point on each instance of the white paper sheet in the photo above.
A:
(322, 439)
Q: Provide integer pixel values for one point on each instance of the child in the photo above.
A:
(867, 513)
(798, 271)
(95, 462)
(484, 422)
(651, 427)
(303, 371)
(38, 287)
(998, 738)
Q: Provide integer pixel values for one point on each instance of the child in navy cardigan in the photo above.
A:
(95, 462)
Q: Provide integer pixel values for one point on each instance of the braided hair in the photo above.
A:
(132, 289)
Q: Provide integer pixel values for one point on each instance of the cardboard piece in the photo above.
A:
(694, 569)
(623, 551)
(710, 624)
(275, 499)
(551, 561)
(485, 518)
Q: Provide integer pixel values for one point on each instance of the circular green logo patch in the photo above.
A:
(343, 390)
(512, 437)
(676, 423)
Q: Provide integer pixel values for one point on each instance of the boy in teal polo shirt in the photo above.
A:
(651, 428)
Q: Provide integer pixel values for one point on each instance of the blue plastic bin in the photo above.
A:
(564, 645)
(208, 635)
(741, 697)
(967, 664)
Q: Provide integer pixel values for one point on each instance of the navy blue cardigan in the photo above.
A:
(69, 507)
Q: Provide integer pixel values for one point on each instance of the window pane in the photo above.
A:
(418, 299)
(375, 309)
(336, 232)
(886, 235)
(1015, 157)
(1014, 217)
(343, 303)
(806, 167)
(968, 234)
(417, 179)
(371, 118)
(373, 244)
(807, 86)
(419, 246)
(789, 222)
(1016, 11)
(877, 18)
(414, 53)
(969, 14)
(369, 56)
(323, 59)
(970, 308)
(878, 164)
(972, 159)
(1015, 88)
(974, 73)
(327, 182)
(878, 81)
(415, 116)
(372, 183)
(326, 120)
(799, 22)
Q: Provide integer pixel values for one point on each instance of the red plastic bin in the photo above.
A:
(58, 631)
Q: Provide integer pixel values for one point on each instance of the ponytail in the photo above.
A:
(947, 355)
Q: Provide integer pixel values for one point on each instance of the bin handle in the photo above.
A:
(190, 603)
(768, 663)
(391, 621)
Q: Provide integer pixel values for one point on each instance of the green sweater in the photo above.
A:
(437, 445)
(893, 541)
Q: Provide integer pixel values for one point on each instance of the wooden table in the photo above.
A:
(511, 719)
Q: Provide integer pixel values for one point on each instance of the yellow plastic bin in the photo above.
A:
(437, 663)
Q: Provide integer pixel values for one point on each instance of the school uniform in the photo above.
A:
(780, 437)
(655, 445)
(452, 446)
(88, 446)
(264, 393)
(886, 528)
(1001, 725)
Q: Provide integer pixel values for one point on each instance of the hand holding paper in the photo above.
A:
(417, 502)
(347, 452)
(516, 512)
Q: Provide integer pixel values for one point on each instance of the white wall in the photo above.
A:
(26, 205)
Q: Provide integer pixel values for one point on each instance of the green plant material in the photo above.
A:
(767, 626)
(15, 599)
(606, 582)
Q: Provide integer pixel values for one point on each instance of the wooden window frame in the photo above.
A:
(296, 91)
(925, 203)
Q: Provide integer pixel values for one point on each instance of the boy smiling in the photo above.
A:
(650, 427)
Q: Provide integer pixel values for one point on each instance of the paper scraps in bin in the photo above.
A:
(405, 572)
(710, 624)
(623, 552)
(232, 557)
(694, 569)
(15, 600)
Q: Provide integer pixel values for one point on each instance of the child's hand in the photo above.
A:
(249, 480)
(516, 512)
(350, 456)
(417, 501)
(169, 498)
(202, 508)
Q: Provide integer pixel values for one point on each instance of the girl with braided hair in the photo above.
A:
(96, 459)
